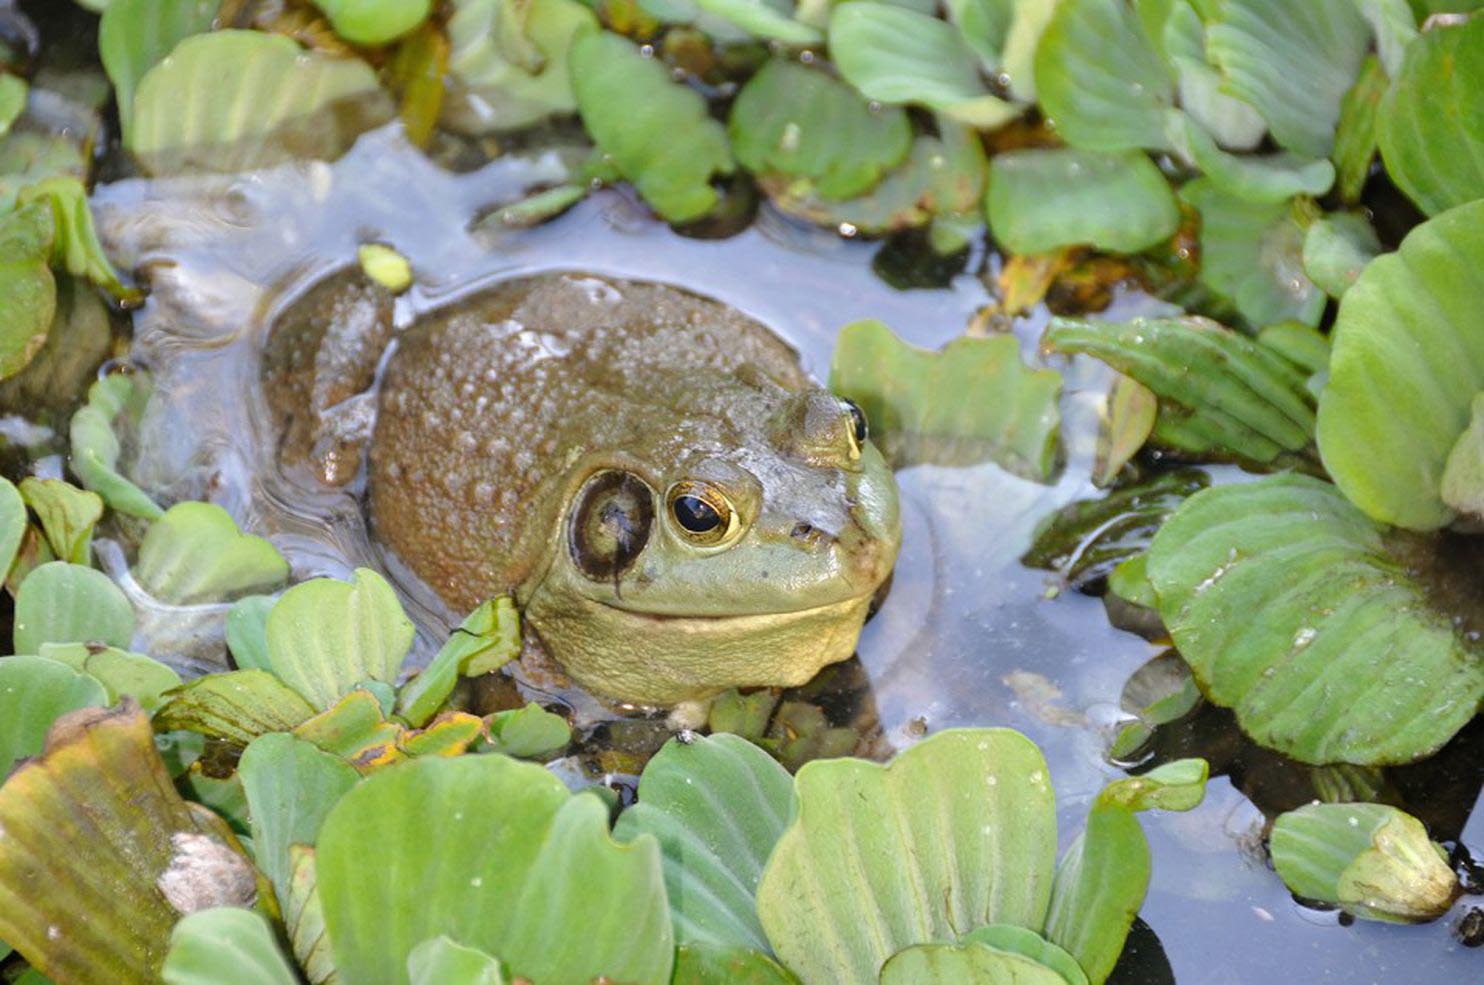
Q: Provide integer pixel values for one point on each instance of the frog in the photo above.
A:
(675, 505)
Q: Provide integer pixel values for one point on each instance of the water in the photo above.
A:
(967, 636)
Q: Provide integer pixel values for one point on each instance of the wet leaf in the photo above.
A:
(12, 524)
(1040, 200)
(486, 641)
(356, 729)
(235, 100)
(1337, 248)
(440, 961)
(1432, 122)
(1408, 360)
(27, 285)
(1220, 392)
(304, 919)
(1231, 123)
(1348, 663)
(803, 124)
(732, 21)
(225, 946)
(95, 448)
(327, 636)
(34, 692)
(898, 56)
(960, 832)
(741, 714)
(120, 672)
(1251, 253)
(75, 247)
(657, 132)
(497, 854)
(974, 401)
(1262, 46)
(98, 822)
(385, 266)
(967, 962)
(717, 806)
(1358, 130)
(530, 732)
(1303, 345)
(195, 553)
(1268, 178)
(1027, 943)
(247, 631)
(237, 706)
(711, 964)
(134, 35)
(67, 603)
(374, 22)
(1371, 859)
(67, 516)
(1127, 423)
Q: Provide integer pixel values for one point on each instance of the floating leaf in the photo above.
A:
(1029, 944)
(327, 636)
(235, 100)
(1358, 131)
(958, 832)
(1100, 78)
(238, 706)
(34, 692)
(731, 21)
(385, 266)
(1251, 252)
(967, 962)
(1268, 178)
(657, 132)
(195, 553)
(1219, 391)
(1337, 248)
(1432, 121)
(1348, 663)
(12, 524)
(13, 92)
(67, 603)
(27, 285)
(1371, 859)
(800, 123)
(717, 806)
(1127, 423)
(1408, 360)
(1231, 122)
(121, 673)
(440, 961)
(97, 821)
(1262, 46)
(497, 854)
(710, 964)
(374, 22)
(487, 640)
(95, 448)
(135, 34)
(1463, 476)
(530, 732)
(1303, 345)
(304, 918)
(356, 728)
(247, 631)
(290, 785)
(1040, 200)
(897, 55)
(973, 401)
(67, 515)
(75, 247)
(225, 946)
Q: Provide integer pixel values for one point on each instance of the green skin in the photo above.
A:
(533, 440)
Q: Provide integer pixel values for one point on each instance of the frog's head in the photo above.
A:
(742, 550)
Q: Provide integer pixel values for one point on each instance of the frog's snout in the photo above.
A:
(819, 428)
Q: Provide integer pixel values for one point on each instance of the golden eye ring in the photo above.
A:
(702, 513)
(859, 431)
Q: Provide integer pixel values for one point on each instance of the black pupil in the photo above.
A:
(696, 515)
(858, 422)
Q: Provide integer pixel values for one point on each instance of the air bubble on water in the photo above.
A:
(848, 229)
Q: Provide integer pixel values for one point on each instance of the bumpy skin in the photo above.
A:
(494, 416)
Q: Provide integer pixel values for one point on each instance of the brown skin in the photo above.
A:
(536, 439)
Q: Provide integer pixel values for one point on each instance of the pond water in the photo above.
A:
(966, 636)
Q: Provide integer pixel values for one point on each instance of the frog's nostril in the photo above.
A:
(809, 534)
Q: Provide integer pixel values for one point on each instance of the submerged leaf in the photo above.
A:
(67, 603)
(195, 553)
(96, 449)
(974, 401)
(225, 946)
(1348, 662)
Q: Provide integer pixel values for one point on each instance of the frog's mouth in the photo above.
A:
(711, 619)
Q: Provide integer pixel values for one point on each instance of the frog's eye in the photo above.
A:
(702, 513)
(610, 524)
(859, 430)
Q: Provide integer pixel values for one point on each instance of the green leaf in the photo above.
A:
(486, 641)
(327, 636)
(1463, 476)
(225, 946)
(717, 806)
(67, 603)
(1371, 859)
(134, 35)
(290, 785)
(96, 449)
(657, 132)
(247, 631)
(712, 964)
(496, 854)
(1128, 420)
(1041, 200)
(1029, 944)
(1270, 178)
(75, 248)
(1395, 27)
(236, 100)
(970, 963)
(1432, 121)
(1251, 253)
(27, 285)
(1219, 391)
(120, 672)
(974, 401)
(195, 553)
(530, 732)
(440, 961)
(959, 832)
(1302, 345)
(12, 525)
(67, 515)
(495, 88)
(896, 55)
(13, 93)
(34, 692)
(304, 919)
(737, 20)
(1100, 78)
(1408, 359)
(1263, 46)
(1337, 248)
(374, 22)
(1358, 130)
(1233, 123)
(1348, 663)
(237, 706)
(800, 123)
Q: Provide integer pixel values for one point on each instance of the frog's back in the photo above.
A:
(486, 406)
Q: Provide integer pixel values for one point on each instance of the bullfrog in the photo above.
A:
(676, 507)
